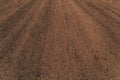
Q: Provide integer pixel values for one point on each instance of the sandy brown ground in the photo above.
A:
(59, 39)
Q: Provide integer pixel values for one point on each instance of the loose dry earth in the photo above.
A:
(59, 39)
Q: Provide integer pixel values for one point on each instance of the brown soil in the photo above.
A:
(59, 39)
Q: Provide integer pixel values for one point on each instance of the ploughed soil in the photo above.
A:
(59, 39)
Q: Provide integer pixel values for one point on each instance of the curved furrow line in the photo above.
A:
(111, 46)
(22, 24)
(59, 40)
(93, 46)
(104, 12)
(19, 44)
(113, 5)
(34, 54)
(113, 32)
(13, 34)
(114, 11)
(8, 24)
(76, 48)
(5, 10)
(80, 42)
(11, 10)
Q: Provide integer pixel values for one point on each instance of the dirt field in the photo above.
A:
(59, 39)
